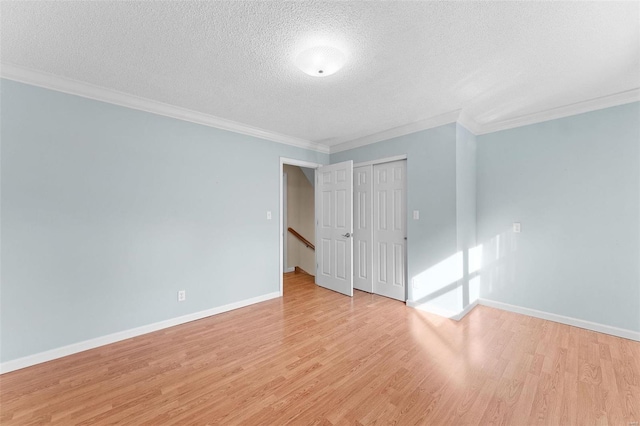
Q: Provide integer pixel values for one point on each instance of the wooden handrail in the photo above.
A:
(301, 238)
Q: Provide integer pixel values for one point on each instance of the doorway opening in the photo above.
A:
(297, 217)
(298, 214)
(378, 192)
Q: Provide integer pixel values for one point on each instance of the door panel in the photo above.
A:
(382, 263)
(389, 217)
(334, 217)
(362, 229)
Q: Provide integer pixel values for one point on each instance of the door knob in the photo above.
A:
(347, 235)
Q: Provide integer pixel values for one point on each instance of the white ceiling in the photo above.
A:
(408, 62)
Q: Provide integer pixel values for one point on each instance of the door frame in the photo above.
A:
(406, 189)
(381, 160)
(290, 162)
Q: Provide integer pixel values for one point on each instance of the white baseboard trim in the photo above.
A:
(588, 325)
(63, 351)
(466, 310)
(456, 316)
(292, 269)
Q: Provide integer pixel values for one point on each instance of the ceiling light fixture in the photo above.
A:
(320, 61)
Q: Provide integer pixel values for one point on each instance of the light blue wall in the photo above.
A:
(466, 212)
(431, 189)
(574, 184)
(107, 212)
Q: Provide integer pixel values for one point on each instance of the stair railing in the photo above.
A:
(301, 238)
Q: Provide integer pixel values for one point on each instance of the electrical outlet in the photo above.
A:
(517, 228)
(182, 295)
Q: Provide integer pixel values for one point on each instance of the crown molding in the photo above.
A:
(87, 90)
(416, 126)
(463, 118)
(608, 101)
(98, 93)
(468, 123)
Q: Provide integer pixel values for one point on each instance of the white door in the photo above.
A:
(389, 229)
(362, 229)
(334, 219)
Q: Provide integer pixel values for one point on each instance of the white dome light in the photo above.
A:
(320, 61)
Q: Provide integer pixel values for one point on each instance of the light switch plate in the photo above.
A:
(517, 228)
(416, 214)
(268, 215)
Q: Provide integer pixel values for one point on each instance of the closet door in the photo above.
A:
(389, 229)
(362, 228)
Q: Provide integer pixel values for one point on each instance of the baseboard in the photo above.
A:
(466, 310)
(588, 325)
(456, 316)
(63, 351)
(300, 270)
(292, 269)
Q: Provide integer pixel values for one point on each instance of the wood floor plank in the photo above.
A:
(316, 357)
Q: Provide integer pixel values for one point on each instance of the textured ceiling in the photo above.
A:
(406, 61)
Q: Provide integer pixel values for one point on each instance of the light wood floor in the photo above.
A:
(317, 357)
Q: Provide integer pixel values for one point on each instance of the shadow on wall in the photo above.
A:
(454, 283)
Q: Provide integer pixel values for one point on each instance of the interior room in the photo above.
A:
(320, 212)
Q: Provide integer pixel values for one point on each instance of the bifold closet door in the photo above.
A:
(389, 229)
(362, 228)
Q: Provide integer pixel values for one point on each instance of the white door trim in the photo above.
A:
(381, 160)
(291, 162)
